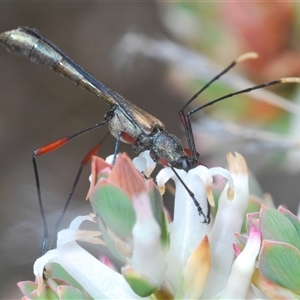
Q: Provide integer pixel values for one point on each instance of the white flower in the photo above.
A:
(181, 259)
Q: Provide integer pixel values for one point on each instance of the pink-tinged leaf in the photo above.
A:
(251, 219)
(99, 168)
(272, 290)
(123, 175)
(126, 176)
(275, 226)
(294, 219)
(27, 287)
(253, 208)
(280, 263)
(69, 293)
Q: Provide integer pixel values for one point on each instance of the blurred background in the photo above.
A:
(157, 55)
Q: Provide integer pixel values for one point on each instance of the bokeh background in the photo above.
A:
(37, 106)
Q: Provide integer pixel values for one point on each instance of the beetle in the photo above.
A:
(126, 121)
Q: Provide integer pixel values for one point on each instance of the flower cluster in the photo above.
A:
(178, 258)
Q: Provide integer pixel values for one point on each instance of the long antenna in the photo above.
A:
(184, 117)
(241, 58)
(256, 87)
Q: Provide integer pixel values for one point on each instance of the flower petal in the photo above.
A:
(144, 163)
(228, 221)
(98, 280)
(196, 271)
(148, 255)
(242, 269)
(186, 230)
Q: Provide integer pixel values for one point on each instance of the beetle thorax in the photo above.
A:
(167, 150)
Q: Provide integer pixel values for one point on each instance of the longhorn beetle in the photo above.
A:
(127, 122)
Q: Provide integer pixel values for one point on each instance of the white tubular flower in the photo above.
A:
(228, 221)
(170, 259)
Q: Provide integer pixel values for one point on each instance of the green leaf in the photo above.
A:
(69, 293)
(275, 226)
(110, 243)
(280, 263)
(63, 278)
(158, 212)
(114, 208)
(29, 289)
(295, 221)
(141, 284)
